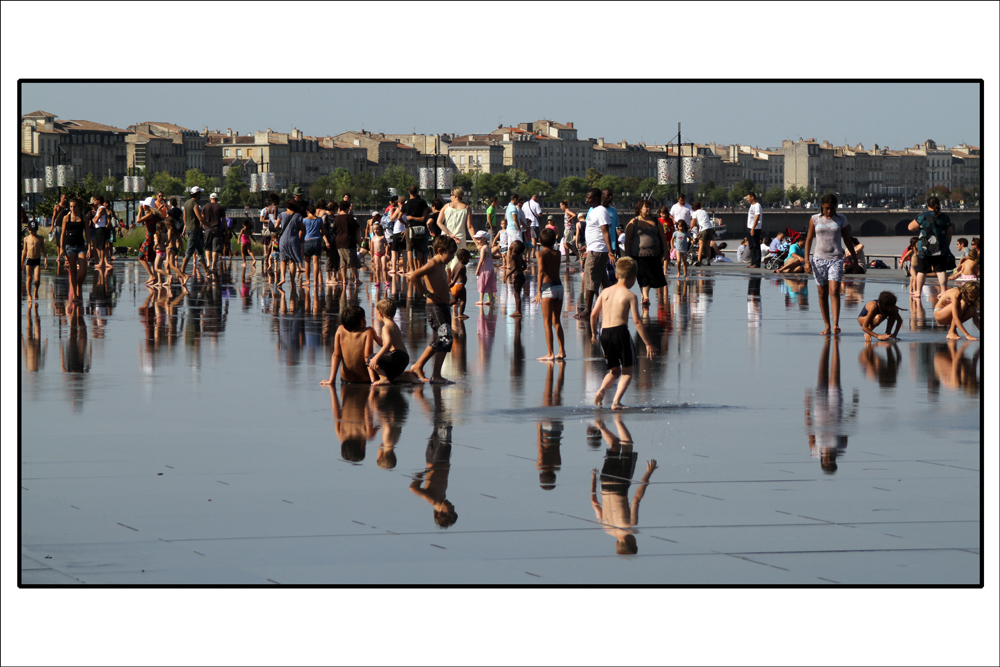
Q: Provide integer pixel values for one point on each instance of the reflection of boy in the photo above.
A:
(353, 422)
(352, 345)
(617, 515)
(549, 458)
(435, 476)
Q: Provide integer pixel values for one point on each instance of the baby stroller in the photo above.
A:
(777, 260)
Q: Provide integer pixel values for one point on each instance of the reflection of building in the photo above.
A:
(92, 148)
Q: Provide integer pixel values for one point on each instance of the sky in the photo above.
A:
(893, 115)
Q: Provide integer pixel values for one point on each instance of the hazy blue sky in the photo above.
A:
(893, 115)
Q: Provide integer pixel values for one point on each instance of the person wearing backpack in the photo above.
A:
(933, 254)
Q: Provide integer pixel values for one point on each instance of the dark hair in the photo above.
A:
(386, 459)
(393, 199)
(353, 449)
(681, 196)
(517, 247)
(547, 237)
(321, 203)
(344, 206)
(607, 196)
(594, 193)
(273, 197)
(463, 256)
(292, 205)
(663, 212)
(346, 197)
(494, 198)
(829, 199)
(310, 209)
(639, 204)
(963, 241)
(444, 244)
(886, 299)
(565, 202)
(413, 190)
(173, 201)
(437, 203)
(547, 479)
(933, 202)
(914, 239)
(752, 194)
(696, 206)
(352, 317)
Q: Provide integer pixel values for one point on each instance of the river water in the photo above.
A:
(184, 438)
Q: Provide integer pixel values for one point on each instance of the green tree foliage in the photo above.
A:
(717, 195)
(592, 177)
(737, 193)
(775, 195)
(573, 189)
(230, 195)
(616, 184)
(194, 177)
(794, 194)
(535, 187)
(163, 182)
(939, 191)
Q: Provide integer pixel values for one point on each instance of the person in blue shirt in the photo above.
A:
(795, 261)
(777, 243)
(606, 198)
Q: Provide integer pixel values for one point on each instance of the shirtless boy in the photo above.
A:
(352, 345)
(31, 258)
(615, 303)
(876, 312)
(434, 275)
(391, 361)
(550, 292)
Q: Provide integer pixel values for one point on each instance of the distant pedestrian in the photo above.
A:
(598, 241)
(532, 214)
(607, 199)
(213, 220)
(646, 243)
(754, 225)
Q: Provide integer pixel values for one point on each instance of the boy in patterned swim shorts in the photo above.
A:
(435, 279)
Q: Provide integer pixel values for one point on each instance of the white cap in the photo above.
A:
(195, 189)
(148, 201)
(214, 195)
(480, 234)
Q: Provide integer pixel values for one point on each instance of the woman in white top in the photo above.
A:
(454, 219)
(101, 233)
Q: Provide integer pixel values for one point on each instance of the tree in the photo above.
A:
(614, 183)
(396, 176)
(794, 194)
(718, 195)
(645, 187)
(194, 177)
(230, 195)
(737, 193)
(516, 178)
(534, 187)
(939, 191)
(774, 195)
(572, 189)
(163, 182)
(592, 177)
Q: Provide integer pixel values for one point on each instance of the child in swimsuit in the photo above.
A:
(246, 236)
(459, 276)
(516, 274)
(957, 305)
(160, 247)
(550, 292)
(883, 309)
(613, 306)
(486, 278)
(434, 276)
(378, 254)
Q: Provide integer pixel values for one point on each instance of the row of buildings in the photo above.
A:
(544, 149)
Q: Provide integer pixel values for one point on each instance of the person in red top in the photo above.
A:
(663, 215)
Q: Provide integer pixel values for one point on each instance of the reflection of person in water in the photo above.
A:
(617, 516)
(75, 354)
(353, 421)
(825, 410)
(31, 342)
(954, 370)
(884, 370)
(391, 409)
(432, 483)
(549, 459)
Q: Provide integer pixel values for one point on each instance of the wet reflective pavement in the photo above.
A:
(172, 438)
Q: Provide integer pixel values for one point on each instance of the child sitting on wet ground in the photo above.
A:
(550, 292)
(883, 309)
(352, 345)
(434, 276)
(459, 276)
(392, 360)
(614, 305)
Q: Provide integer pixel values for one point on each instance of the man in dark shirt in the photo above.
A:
(415, 209)
(192, 227)
(215, 233)
(345, 231)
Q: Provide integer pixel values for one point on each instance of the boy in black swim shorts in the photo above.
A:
(435, 279)
(614, 304)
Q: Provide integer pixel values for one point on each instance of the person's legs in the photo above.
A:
(606, 384)
(556, 315)
(824, 306)
(835, 305)
(623, 383)
(547, 324)
(942, 277)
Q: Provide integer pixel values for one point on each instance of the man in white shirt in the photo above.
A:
(598, 240)
(754, 223)
(532, 213)
(681, 211)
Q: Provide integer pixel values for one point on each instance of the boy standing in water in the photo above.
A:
(550, 292)
(438, 307)
(615, 303)
(31, 258)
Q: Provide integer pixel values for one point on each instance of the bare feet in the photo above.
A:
(419, 372)
(599, 397)
(836, 331)
(478, 303)
(953, 336)
(618, 406)
(381, 382)
(437, 379)
(515, 314)
(825, 332)
(463, 317)
(868, 338)
(549, 357)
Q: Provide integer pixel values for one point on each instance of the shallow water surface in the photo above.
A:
(184, 438)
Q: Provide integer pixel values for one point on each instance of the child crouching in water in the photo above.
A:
(352, 345)
(876, 312)
(614, 305)
(486, 277)
(390, 362)
(459, 276)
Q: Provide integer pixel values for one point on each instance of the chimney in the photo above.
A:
(624, 144)
(600, 141)
(569, 125)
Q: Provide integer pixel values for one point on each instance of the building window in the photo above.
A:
(239, 152)
(225, 152)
